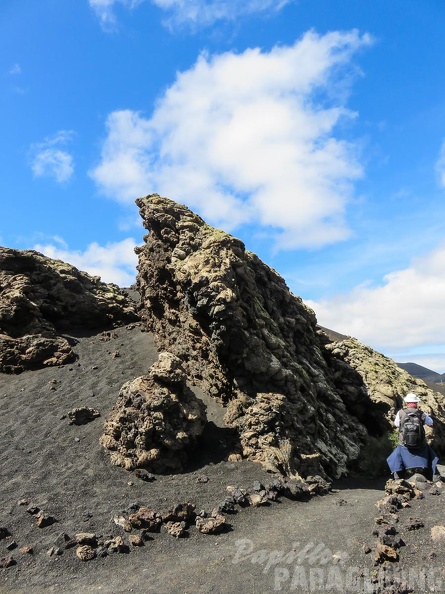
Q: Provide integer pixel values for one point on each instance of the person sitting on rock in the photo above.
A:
(413, 451)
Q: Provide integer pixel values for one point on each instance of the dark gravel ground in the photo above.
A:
(287, 546)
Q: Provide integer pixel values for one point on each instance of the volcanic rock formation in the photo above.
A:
(295, 397)
(42, 299)
(245, 340)
(156, 420)
(387, 383)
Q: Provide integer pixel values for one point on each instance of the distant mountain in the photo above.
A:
(435, 381)
(423, 373)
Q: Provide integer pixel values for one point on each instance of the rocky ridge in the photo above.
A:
(302, 400)
(300, 403)
(42, 300)
(386, 384)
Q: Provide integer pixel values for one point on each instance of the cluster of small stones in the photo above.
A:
(140, 523)
(156, 421)
(400, 494)
(42, 520)
(245, 340)
(41, 299)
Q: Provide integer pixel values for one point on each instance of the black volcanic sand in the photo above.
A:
(287, 546)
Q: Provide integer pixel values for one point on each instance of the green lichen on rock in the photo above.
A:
(41, 299)
(387, 384)
(246, 340)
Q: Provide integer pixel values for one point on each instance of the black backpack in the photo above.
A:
(411, 428)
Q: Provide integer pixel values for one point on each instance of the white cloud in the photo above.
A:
(247, 138)
(15, 70)
(104, 10)
(124, 172)
(206, 12)
(48, 159)
(190, 12)
(114, 262)
(404, 312)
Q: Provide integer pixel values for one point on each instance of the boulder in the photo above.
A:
(42, 299)
(156, 420)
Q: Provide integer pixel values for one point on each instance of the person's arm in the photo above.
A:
(428, 420)
(397, 420)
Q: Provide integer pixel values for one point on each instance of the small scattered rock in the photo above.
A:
(54, 551)
(225, 507)
(136, 540)
(86, 538)
(341, 502)
(146, 518)
(4, 533)
(211, 525)
(181, 512)
(45, 520)
(83, 415)
(117, 545)
(415, 524)
(7, 562)
(176, 529)
(257, 499)
(384, 553)
(85, 553)
(123, 523)
(11, 545)
(239, 495)
(27, 550)
(65, 541)
(144, 475)
(388, 518)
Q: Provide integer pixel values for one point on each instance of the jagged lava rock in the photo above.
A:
(248, 342)
(387, 383)
(41, 299)
(156, 420)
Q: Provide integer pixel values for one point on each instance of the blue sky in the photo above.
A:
(313, 130)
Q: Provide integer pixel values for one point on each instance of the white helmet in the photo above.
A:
(411, 398)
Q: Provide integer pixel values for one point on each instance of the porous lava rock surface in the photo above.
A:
(248, 342)
(387, 383)
(42, 300)
(302, 402)
(156, 421)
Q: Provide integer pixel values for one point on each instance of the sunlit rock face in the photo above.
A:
(248, 342)
(42, 299)
(156, 421)
(387, 383)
